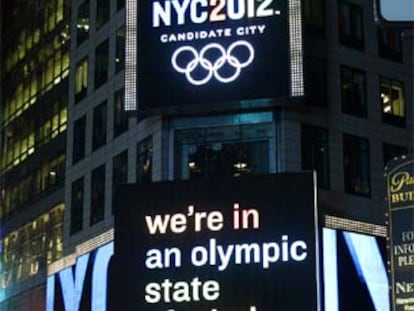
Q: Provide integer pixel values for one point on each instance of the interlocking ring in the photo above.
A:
(212, 67)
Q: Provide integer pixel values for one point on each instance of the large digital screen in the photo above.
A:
(205, 51)
(354, 277)
(228, 244)
(354, 272)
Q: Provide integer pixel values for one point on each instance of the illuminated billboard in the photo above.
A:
(400, 194)
(354, 272)
(199, 52)
(354, 276)
(230, 244)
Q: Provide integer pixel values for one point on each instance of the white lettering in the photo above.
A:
(158, 224)
(266, 254)
(160, 13)
(182, 291)
(180, 10)
(198, 17)
(202, 11)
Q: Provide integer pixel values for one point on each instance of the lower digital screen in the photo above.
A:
(354, 277)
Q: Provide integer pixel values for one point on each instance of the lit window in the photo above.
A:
(353, 91)
(392, 100)
(27, 249)
(83, 23)
(81, 80)
(223, 151)
(59, 11)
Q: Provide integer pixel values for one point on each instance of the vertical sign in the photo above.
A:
(400, 189)
(247, 244)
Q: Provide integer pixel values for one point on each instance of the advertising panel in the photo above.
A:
(230, 244)
(205, 51)
(354, 277)
(400, 189)
(354, 271)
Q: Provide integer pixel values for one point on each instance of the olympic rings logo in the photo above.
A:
(212, 67)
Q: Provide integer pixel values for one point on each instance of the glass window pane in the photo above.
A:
(78, 149)
(97, 212)
(99, 126)
(102, 12)
(83, 23)
(315, 153)
(101, 63)
(356, 165)
(76, 209)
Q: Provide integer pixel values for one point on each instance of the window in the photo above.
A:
(313, 11)
(99, 126)
(24, 138)
(393, 103)
(356, 165)
(144, 160)
(353, 91)
(315, 153)
(120, 4)
(97, 195)
(101, 63)
(46, 69)
(83, 23)
(25, 189)
(81, 80)
(27, 249)
(229, 151)
(119, 171)
(120, 116)
(389, 44)
(120, 168)
(315, 88)
(390, 151)
(120, 49)
(102, 12)
(78, 147)
(351, 25)
(227, 159)
(76, 209)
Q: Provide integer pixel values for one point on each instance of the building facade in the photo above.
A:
(355, 115)
(34, 86)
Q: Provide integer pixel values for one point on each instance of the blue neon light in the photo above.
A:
(100, 277)
(72, 288)
(368, 262)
